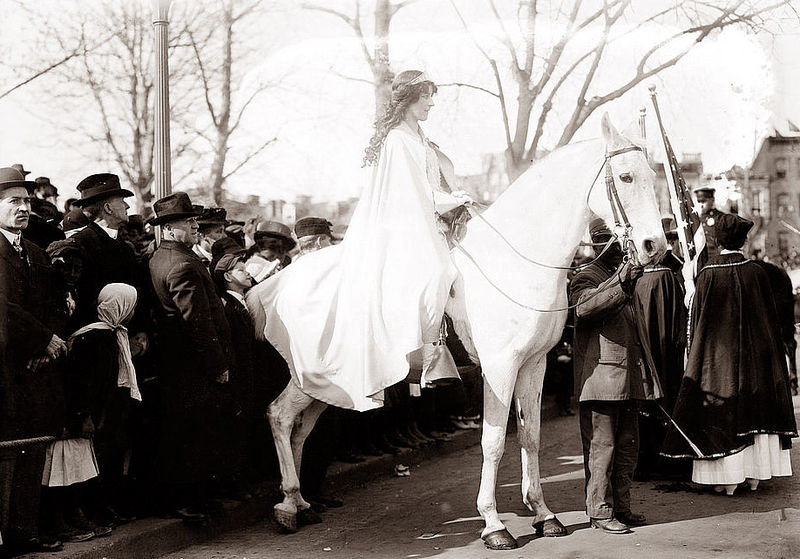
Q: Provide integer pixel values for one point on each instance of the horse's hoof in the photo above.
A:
(549, 528)
(308, 516)
(286, 519)
(500, 540)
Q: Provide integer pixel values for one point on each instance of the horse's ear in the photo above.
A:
(612, 138)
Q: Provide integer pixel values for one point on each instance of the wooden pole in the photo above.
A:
(163, 170)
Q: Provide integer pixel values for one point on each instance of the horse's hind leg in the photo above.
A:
(528, 396)
(282, 413)
(495, 422)
(303, 426)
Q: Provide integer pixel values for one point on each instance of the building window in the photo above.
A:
(755, 202)
(784, 204)
(783, 242)
(780, 167)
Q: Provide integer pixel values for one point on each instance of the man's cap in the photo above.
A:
(99, 187)
(598, 230)
(227, 263)
(66, 247)
(44, 182)
(75, 219)
(276, 230)
(224, 246)
(19, 167)
(308, 226)
(135, 223)
(173, 207)
(13, 178)
(731, 231)
(706, 189)
(212, 217)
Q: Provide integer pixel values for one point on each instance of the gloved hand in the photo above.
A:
(628, 274)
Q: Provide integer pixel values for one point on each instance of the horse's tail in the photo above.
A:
(257, 311)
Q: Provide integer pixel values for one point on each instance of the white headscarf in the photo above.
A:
(115, 304)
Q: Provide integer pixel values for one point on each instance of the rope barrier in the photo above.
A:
(26, 442)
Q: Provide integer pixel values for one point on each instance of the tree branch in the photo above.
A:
(249, 157)
(470, 86)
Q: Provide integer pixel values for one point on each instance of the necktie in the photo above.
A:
(17, 244)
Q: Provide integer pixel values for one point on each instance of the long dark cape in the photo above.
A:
(736, 380)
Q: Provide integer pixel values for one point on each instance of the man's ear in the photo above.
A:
(228, 277)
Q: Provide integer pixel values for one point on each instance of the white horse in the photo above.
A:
(509, 309)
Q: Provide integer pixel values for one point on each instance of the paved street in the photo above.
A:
(432, 514)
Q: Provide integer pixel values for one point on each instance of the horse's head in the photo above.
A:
(624, 197)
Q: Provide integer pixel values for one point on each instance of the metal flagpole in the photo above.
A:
(163, 171)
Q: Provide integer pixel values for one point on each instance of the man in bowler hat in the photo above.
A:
(194, 345)
(27, 346)
(108, 260)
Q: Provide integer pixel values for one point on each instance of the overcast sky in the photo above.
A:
(718, 101)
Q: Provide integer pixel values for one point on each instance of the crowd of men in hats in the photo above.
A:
(131, 378)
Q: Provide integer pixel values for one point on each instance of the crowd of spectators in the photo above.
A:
(132, 381)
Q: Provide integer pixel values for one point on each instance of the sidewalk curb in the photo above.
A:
(155, 537)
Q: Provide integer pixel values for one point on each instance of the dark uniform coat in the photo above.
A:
(736, 381)
(193, 345)
(607, 362)
(661, 322)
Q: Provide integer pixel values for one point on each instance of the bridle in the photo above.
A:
(621, 223)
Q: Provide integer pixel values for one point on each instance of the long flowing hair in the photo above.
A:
(404, 93)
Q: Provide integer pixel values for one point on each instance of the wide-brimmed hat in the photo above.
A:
(276, 230)
(307, 226)
(212, 217)
(99, 187)
(12, 178)
(19, 167)
(43, 182)
(224, 246)
(172, 207)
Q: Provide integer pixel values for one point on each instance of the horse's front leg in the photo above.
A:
(282, 413)
(528, 396)
(493, 440)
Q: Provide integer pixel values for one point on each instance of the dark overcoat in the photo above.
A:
(193, 340)
(608, 361)
(26, 295)
(736, 383)
(106, 260)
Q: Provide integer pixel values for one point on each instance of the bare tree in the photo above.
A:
(218, 54)
(376, 48)
(104, 88)
(565, 68)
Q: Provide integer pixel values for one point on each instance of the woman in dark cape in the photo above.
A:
(734, 403)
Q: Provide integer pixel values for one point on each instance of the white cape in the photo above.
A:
(347, 318)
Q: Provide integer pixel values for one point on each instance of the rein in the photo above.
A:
(621, 222)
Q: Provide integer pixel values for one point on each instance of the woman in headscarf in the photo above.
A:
(102, 385)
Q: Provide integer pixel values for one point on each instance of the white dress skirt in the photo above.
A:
(69, 461)
(762, 460)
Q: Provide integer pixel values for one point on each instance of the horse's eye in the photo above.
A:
(626, 177)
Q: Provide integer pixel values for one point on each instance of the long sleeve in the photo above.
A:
(592, 299)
